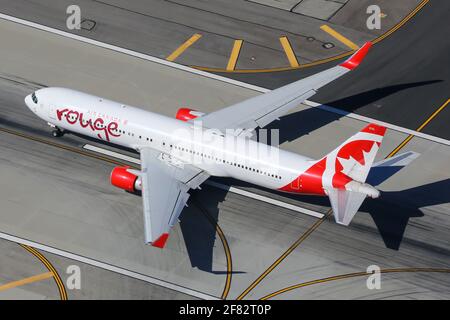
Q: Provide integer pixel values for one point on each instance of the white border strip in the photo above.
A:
(255, 196)
(130, 52)
(245, 193)
(109, 267)
(381, 123)
(214, 76)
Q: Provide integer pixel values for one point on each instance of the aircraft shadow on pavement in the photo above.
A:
(392, 211)
(365, 98)
(198, 226)
(294, 125)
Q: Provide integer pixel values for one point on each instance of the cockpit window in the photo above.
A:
(34, 98)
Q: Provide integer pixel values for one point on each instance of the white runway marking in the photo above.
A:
(109, 267)
(113, 154)
(216, 77)
(214, 184)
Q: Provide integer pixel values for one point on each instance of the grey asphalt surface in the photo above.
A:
(403, 80)
(159, 27)
(407, 227)
(95, 283)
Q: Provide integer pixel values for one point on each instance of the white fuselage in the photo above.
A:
(186, 142)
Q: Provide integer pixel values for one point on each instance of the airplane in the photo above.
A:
(178, 154)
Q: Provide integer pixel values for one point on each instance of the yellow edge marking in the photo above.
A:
(284, 255)
(183, 47)
(322, 61)
(402, 22)
(351, 275)
(339, 37)
(22, 282)
(433, 115)
(289, 52)
(234, 55)
(420, 128)
(49, 266)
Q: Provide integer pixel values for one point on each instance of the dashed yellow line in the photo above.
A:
(25, 281)
(289, 52)
(339, 37)
(420, 128)
(326, 60)
(234, 55)
(183, 47)
(351, 275)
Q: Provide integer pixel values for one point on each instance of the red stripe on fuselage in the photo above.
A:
(309, 182)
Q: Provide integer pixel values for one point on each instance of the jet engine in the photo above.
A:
(123, 179)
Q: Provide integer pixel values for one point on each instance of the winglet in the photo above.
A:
(161, 241)
(354, 61)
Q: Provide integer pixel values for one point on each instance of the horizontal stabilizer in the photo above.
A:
(345, 204)
(384, 169)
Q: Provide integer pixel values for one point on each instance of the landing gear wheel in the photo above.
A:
(57, 133)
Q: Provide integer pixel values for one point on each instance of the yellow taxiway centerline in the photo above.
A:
(419, 129)
(353, 275)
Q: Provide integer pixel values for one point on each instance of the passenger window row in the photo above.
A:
(204, 155)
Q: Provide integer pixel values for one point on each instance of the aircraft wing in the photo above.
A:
(164, 192)
(261, 110)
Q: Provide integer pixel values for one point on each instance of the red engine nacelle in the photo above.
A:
(121, 178)
(186, 114)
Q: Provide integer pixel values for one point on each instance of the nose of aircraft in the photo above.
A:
(28, 101)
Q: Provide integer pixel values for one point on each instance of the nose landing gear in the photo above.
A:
(57, 132)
